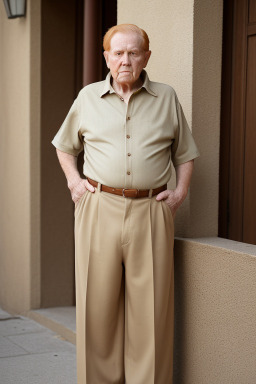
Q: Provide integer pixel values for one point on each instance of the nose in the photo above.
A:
(126, 58)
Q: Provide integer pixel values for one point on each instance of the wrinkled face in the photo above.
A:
(126, 57)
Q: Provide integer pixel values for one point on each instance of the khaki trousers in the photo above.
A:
(124, 290)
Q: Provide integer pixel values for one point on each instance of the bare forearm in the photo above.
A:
(69, 166)
(174, 198)
(183, 177)
(76, 184)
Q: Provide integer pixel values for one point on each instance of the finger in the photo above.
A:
(89, 186)
(75, 198)
(162, 195)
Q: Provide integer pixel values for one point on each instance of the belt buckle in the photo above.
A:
(130, 189)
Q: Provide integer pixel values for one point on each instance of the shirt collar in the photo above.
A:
(147, 85)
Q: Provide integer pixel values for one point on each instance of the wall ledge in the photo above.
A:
(218, 242)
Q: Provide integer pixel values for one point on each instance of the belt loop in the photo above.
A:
(99, 187)
(150, 193)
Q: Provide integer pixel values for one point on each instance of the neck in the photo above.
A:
(124, 89)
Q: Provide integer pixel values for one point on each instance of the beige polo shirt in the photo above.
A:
(127, 146)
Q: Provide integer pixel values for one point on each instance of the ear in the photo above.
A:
(147, 56)
(105, 54)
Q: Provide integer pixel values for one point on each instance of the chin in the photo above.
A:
(125, 78)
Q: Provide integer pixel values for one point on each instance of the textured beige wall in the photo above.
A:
(215, 306)
(18, 87)
(169, 24)
(36, 220)
(206, 102)
(186, 43)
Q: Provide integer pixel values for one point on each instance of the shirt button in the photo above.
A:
(128, 118)
(128, 136)
(128, 154)
(128, 173)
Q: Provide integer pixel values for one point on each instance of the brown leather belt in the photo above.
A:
(127, 192)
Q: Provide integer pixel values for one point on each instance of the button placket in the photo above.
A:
(128, 146)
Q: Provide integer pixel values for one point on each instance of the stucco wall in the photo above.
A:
(36, 221)
(215, 310)
(206, 102)
(186, 43)
(19, 271)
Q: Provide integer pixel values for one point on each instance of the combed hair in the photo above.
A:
(125, 28)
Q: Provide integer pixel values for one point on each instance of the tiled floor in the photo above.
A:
(32, 354)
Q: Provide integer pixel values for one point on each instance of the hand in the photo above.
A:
(173, 198)
(78, 189)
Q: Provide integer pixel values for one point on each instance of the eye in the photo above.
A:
(118, 53)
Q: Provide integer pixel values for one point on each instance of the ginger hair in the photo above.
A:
(124, 28)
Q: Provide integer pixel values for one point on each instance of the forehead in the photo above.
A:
(126, 40)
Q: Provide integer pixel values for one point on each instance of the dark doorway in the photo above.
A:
(62, 66)
(237, 206)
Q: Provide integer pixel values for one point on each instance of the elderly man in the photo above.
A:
(131, 130)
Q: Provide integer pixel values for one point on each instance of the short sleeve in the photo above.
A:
(68, 139)
(183, 147)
